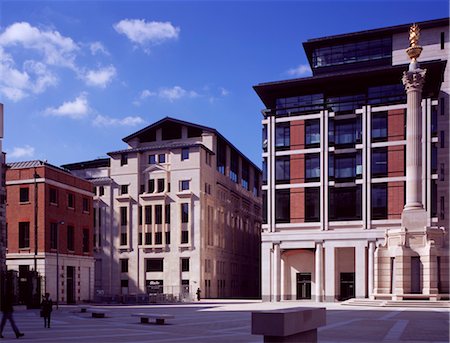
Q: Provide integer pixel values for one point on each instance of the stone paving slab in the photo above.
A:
(228, 321)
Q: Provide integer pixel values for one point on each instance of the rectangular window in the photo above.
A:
(167, 213)
(442, 106)
(160, 185)
(442, 40)
(24, 235)
(379, 201)
(53, 236)
(208, 158)
(86, 240)
(312, 204)
(442, 200)
(221, 158)
(151, 159)
(123, 238)
(184, 236)
(70, 200)
(154, 265)
(151, 186)
(184, 264)
(282, 169)
(24, 194)
(124, 283)
(123, 189)
(86, 205)
(184, 185)
(101, 191)
(148, 214)
(245, 176)
(345, 203)
(148, 238)
(347, 132)
(234, 166)
(185, 213)
(161, 158)
(158, 214)
(379, 126)
(282, 136)
(53, 196)
(283, 206)
(167, 233)
(346, 166)
(158, 237)
(70, 238)
(123, 216)
(312, 167)
(379, 162)
(312, 132)
(124, 265)
(123, 159)
(184, 154)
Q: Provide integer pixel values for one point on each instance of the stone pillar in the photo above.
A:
(370, 272)
(319, 271)
(413, 81)
(266, 275)
(360, 271)
(276, 276)
(330, 274)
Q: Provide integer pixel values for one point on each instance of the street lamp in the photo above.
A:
(57, 262)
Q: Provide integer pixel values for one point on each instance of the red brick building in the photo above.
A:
(50, 222)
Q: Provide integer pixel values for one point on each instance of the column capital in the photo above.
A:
(414, 80)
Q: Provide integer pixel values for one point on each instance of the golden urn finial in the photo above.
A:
(414, 49)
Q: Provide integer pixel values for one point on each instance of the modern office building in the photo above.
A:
(178, 209)
(50, 223)
(335, 171)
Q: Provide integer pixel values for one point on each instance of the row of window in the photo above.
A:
(24, 198)
(155, 158)
(155, 264)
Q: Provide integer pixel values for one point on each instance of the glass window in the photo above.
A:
(221, 158)
(345, 203)
(123, 159)
(185, 213)
(123, 216)
(148, 214)
(347, 132)
(158, 214)
(312, 167)
(184, 154)
(162, 158)
(282, 136)
(312, 132)
(312, 204)
(379, 126)
(151, 159)
(184, 185)
(386, 94)
(53, 235)
(154, 265)
(123, 189)
(185, 264)
(86, 240)
(184, 237)
(53, 196)
(379, 201)
(160, 185)
(282, 169)
(151, 186)
(299, 104)
(70, 200)
(148, 238)
(24, 194)
(234, 166)
(70, 238)
(123, 238)
(379, 162)
(347, 166)
(24, 235)
(283, 206)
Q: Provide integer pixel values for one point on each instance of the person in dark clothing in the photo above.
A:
(7, 309)
(198, 294)
(46, 309)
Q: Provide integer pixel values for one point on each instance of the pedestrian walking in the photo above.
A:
(46, 309)
(7, 309)
(198, 294)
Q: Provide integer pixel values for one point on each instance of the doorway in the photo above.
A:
(303, 286)
(70, 281)
(416, 269)
(347, 286)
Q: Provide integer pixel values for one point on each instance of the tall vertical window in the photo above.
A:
(123, 159)
(86, 205)
(123, 216)
(348, 131)
(70, 238)
(53, 236)
(53, 196)
(379, 201)
(283, 206)
(282, 136)
(185, 213)
(24, 235)
(151, 186)
(148, 214)
(86, 240)
(442, 139)
(312, 204)
(70, 200)
(167, 213)
(160, 185)
(245, 175)
(221, 158)
(161, 158)
(379, 162)
(101, 190)
(123, 238)
(139, 215)
(158, 214)
(185, 264)
(184, 154)
(442, 40)
(124, 265)
(234, 166)
(256, 178)
(282, 169)
(312, 167)
(24, 195)
(151, 159)
(345, 203)
(379, 126)
(442, 201)
(123, 189)
(312, 132)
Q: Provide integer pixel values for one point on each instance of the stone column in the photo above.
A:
(276, 276)
(370, 273)
(319, 271)
(330, 274)
(360, 271)
(413, 81)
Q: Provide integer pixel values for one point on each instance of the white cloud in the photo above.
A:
(102, 121)
(77, 109)
(224, 92)
(97, 47)
(55, 48)
(176, 93)
(302, 69)
(146, 93)
(101, 77)
(21, 152)
(147, 33)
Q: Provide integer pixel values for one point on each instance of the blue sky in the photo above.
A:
(76, 77)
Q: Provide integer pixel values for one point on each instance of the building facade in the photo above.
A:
(334, 171)
(50, 223)
(2, 199)
(178, 210)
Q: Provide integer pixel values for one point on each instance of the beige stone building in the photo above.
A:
(177, 210)
(356, 170)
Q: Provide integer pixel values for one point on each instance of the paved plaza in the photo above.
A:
(228, 321)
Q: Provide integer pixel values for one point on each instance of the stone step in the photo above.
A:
(397, 303)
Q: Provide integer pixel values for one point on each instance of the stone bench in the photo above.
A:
(297, 324)
(160, 318)
(83, 308)
(98, 313)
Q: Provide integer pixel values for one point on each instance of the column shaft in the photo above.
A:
(319, 271)
(330, 274)
(370, 276)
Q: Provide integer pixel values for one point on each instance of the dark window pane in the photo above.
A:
(282, 207)
(154, 265)
(312, 204)
(379, 201)
(379, 162)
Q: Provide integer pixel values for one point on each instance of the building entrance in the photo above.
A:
(416, 267)
(303, 285)
(347, 286)
(70, 280)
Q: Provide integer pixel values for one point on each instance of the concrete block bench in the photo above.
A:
(98, 313)
(297, 324)
(160, 318)
(83, 308)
